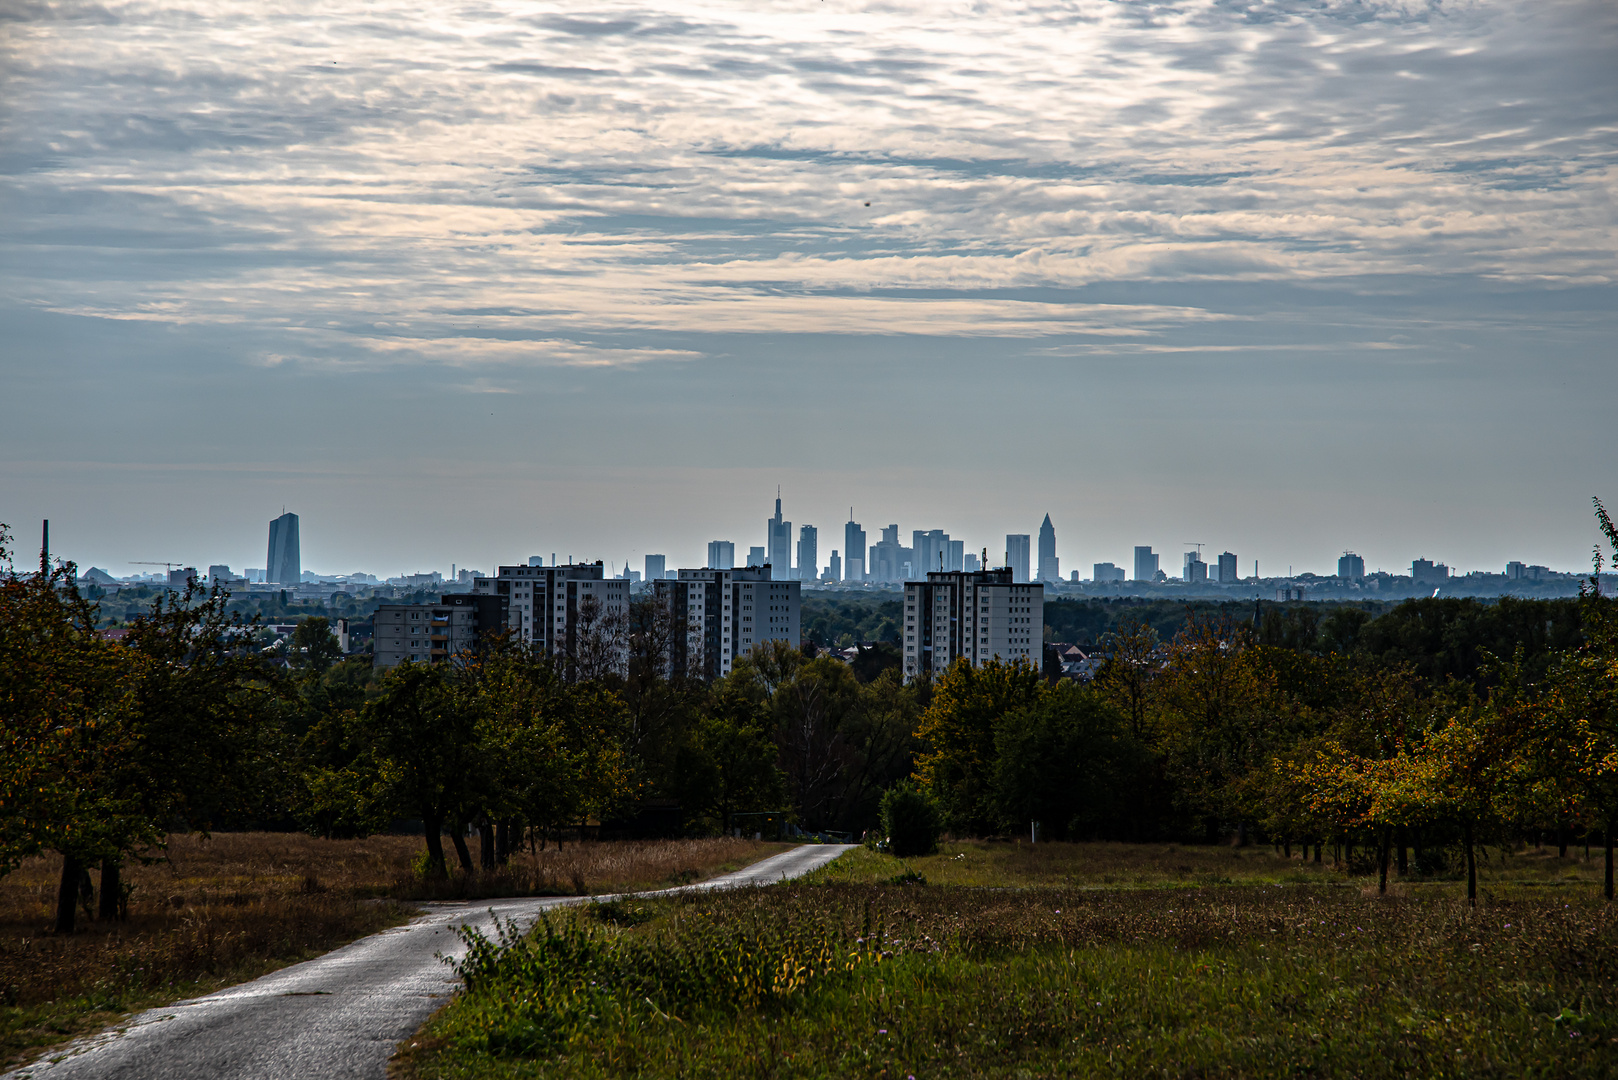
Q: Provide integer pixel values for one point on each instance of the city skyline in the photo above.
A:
(1167, 558)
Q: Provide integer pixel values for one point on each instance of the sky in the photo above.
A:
(468, 282)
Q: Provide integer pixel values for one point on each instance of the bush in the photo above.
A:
(911, 821)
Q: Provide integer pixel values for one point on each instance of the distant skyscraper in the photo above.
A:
(834, 569)
(778, 541)
(1017, 555)
(536, 560)
(1049, 567)
(721, 555)
(853, 550)
(1105, 572)
(756, 557)
(1516, 571)
(1145, 564)
(1426, 572)
(1351, 567)
(656, 567)
(1195, 571)
(969, 564)
(929, 551)
(1228, 574)
(808, 553)
(285, 560)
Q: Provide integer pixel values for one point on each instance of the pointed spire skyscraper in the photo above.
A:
(1049, 568)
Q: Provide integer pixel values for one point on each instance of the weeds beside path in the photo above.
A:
(239, 905)
(860, 978)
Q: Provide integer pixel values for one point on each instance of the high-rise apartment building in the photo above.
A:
(1195, 570)
(1145, 564)
(720, 615)
(1050, 568)
(1351, 567)
(1427, 572)
(721, 555)
(853, 551)
(433, 633)
(1017, 555)
(977, 616)
(557, 609)
(1228, 574)
(285, 565)
(778, 539)
(656, 567)
(808, 553)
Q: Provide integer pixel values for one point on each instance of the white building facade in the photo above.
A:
(725, 613)
(977, 616)
(543, 605)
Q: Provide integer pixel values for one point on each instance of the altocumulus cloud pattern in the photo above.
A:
(373, 184)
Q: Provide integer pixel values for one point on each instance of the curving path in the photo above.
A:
(336, 1016)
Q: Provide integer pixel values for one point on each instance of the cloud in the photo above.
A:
(773, 168)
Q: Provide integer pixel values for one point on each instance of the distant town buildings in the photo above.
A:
(1050, 568)
(285, 561)
(977, 616)
(1351, 567)
(808, 553)
(853, 551)
(1017, 556)
(778, 540)
(1427, 572)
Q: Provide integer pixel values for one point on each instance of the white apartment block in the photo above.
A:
(542, 603)
(978, 616)
(427, 633)
(727, 612)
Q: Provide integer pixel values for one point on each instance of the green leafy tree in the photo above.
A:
(956, 733)
(910, 820)
(1062, 761)
(729, 766)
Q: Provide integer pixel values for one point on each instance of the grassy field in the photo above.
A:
(1187, 962)
(235, 906)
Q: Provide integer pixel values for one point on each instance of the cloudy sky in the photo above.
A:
(473, 281)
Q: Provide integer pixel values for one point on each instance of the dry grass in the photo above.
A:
(582, 869)
(232, 907)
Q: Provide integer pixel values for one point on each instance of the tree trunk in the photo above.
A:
(112, 893)
(486, 857)
(1286, 845)
(1318, 845)
(1404, 854)
(504, 844)
(67, 896)
(433, 827)
(1561, 836)
(1607, 888)
(1382, 862)
(1471, 866)
(457, 836)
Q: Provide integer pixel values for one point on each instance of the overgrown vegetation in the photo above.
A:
(927, 980)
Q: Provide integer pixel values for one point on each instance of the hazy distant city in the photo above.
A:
(882, 557)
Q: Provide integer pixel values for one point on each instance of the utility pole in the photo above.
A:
(45, 547)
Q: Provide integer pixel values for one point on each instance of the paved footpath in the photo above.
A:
(336, 1016)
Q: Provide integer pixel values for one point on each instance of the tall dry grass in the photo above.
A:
(230, 907)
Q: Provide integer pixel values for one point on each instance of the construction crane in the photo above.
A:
(169, 565)
(1198, 544)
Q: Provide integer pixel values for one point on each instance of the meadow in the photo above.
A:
(1013, 960)
(220, 910)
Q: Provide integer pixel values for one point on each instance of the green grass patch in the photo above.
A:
(926, 980)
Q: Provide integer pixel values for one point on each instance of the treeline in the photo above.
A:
(1440, 726)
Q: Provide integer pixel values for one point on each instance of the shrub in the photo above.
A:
(911, 821)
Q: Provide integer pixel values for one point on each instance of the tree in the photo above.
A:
(314, 646)
(420, 755)
(910, 820)
(728, 765)
(957, 735)
(1061, 761)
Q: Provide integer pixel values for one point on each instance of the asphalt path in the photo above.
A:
(340, 1015)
